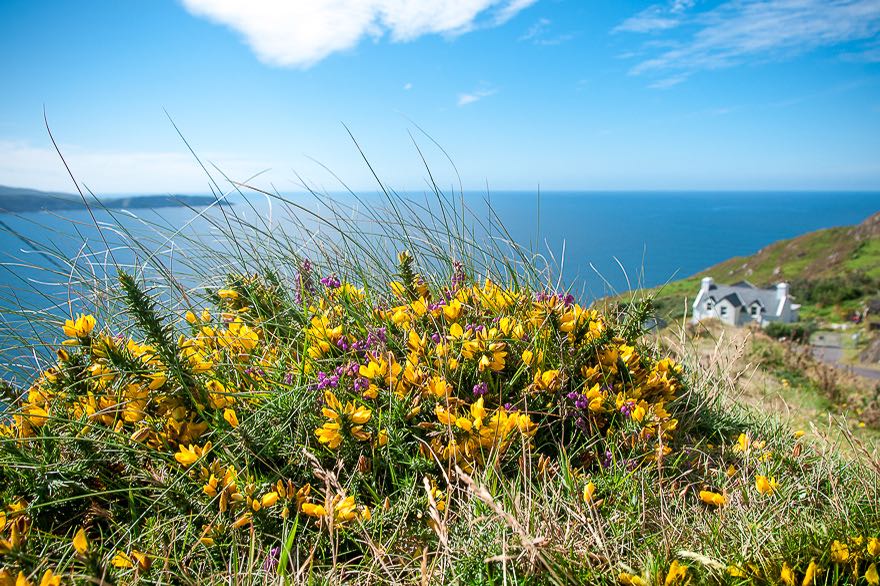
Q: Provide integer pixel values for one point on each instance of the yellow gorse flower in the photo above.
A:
(786, 575)
(766, 485)
(50, 579)
(676, 575)
(347, 418)
(80, 542)
(626, 579)
(810, 574)
(80, 327)
(189, 455)
(486, 349)
(871, 575)
(230, 416)
(589, 492)
(839, 552)
(713, 498)
(135, 559)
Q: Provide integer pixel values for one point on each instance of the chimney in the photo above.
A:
(782, 290)
(705, 284)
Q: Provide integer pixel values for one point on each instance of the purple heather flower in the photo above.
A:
(609, 459)
(270, 563)
(435, 337)
(325, 381)
(376, 338)
(361, 384)
(304, 283)
(481, 388)
(580, 401)
(458, 276)
(288, 378)
(331, 282)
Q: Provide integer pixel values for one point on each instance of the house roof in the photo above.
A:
(734, 299)
(744, 293)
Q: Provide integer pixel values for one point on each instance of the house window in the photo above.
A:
(756, 310)
(723, 310)
(709, 305)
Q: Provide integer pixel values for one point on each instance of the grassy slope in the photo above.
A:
(569, 507)
(822, 254)
(772, 377)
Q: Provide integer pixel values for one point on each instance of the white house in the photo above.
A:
(743, 303)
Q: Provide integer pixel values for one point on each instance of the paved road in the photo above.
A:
(833, 354)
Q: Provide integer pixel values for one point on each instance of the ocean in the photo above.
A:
(610, 241)
(604, 242)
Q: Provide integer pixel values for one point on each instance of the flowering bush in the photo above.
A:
(295, 425)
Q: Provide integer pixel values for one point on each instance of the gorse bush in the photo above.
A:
(831, 291)
(415, 423)
(796, 332)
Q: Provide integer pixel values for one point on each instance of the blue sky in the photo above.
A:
(565, 94)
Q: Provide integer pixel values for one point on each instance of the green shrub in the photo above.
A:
(799, 332)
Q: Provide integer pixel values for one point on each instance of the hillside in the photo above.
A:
(21, 199)
(832, 271)
(418, 418)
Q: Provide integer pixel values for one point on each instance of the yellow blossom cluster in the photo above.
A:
(436, 376)
(856, 557)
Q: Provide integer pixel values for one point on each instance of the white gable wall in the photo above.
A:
(705, 306)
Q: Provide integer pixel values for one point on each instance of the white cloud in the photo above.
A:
(538, 34)
(651, 19)
(681, 5)
(107, 173)
(300, 33)
(407, 86)
(536, 29)
(512, 9)
(668, 82)
(475, 96)
(738, 31)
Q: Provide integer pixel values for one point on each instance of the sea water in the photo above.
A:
(601, 243)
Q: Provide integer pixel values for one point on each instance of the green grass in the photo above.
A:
(866, 258)
(99, 436)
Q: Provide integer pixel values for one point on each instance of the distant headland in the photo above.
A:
(22, 199)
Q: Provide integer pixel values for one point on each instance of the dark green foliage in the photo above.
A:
(799, 332)
(158, 334)
(834, 290)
